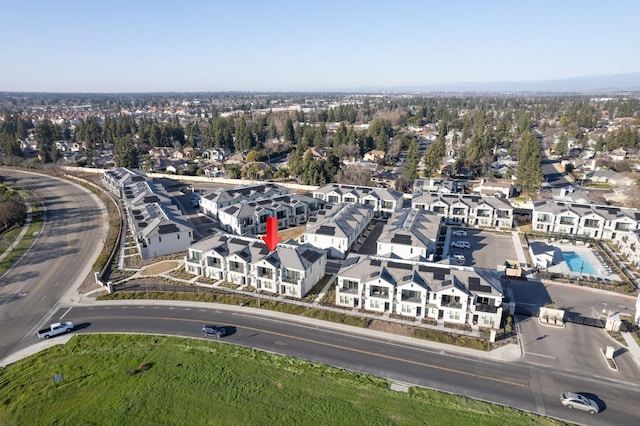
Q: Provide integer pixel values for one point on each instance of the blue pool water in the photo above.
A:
(578, 263)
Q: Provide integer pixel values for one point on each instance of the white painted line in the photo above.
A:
(542, 355)
(123, 307)
(42, 298)
(66, 312)
(187, 309)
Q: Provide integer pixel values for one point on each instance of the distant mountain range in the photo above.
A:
(596, 84)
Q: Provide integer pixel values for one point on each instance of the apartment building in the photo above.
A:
(419, 290)
(155, 222)
(593, 221)
(212, 203)
(337, 227)
(473, 210)
(383, 201)
(290, 270)
(410, 234)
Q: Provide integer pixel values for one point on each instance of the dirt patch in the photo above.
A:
(292, 233)
(88, 284)
(160, 267)
(391, 327)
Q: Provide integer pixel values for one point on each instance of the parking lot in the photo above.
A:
(487, 250)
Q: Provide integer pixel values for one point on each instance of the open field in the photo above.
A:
(122, 380)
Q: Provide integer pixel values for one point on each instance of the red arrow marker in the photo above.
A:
(272, 239)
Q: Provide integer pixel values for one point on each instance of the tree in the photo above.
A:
(433, 157)
(46, 135)
(529, 173)
(413, 158)
(126, 153)
(288, 132)
(253, 156)
(562, 147)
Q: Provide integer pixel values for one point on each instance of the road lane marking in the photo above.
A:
(345, 348)
(542, 355)
(66, 312)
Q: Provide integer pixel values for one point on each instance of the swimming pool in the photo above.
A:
(578, 263)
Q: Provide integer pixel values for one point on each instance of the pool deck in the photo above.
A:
(563, 268)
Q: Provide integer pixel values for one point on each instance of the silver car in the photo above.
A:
(575, 400)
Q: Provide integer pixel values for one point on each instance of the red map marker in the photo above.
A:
(272, 239)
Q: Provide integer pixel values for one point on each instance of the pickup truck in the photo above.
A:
(55, 329)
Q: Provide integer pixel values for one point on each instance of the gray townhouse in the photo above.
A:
(155, 222)
(410, 234)
(473, 210)
(587, 220)
(383, 201)
(212, 203)
(250, 217)
(290, 270)
(337, 227)
(446, 293)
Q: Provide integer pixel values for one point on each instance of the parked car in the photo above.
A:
(575, 400)
(212, 330)
(459, 233)
(457, 257)
(461, 244)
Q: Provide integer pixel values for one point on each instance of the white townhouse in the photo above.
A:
(211, 203)
(290, 270)
(250, 217)
(420, 290)
(593, 221)
(474, 210)
(629, 247)
(384, 201)
(155, 222)
(410, 234)
(337, 227)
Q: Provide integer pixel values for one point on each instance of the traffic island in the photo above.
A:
(608, 354)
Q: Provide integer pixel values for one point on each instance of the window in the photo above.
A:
(375, 303)
(178, 235)
(566, 220)
(159, 239)
(591, 223)
(459, 211)
(544, 217)
(488, 320)
(439, 210)
(454, 315)
(623, 227)
(387, 204)
(406, 309)
(344, 300)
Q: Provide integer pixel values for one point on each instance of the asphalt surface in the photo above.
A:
(59, 260)
(526, 385)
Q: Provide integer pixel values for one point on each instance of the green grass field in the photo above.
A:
(148, 380)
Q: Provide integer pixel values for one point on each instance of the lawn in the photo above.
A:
(148, 380)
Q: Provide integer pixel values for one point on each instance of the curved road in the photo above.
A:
(519, 384)
(59, 260)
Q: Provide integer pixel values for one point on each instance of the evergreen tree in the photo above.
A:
(288, 132)
(529, 173)
(413, 158)
(46, 136)
(126, 153)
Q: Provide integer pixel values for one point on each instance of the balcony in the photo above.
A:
(348, 290)
(482, 307)
(379, 294)
(290, 280)
(452, 305)
(265, 274)
(236, 269)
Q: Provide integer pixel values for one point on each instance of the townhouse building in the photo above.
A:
(212, 203)
(586, 220)
(629, 247)
(473, 210)
(410, 234)
(290, 270)
(250, 217)
(383, 201)
(337, 227)
(155, 222)
(440, 292)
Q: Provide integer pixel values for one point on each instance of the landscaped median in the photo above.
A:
(144, 380)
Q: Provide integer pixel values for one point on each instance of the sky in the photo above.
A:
(236, 45)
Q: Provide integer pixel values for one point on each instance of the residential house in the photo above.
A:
(337, 227)
(383, 201)
(290, 270)
(604, 176)
(496, 187)
(443, 185)
(374, 156)
(445, 293)
(410, 234)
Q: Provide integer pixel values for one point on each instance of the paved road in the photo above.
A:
(59, 260)
(525, 385)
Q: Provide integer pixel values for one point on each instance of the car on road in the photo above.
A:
(575, 400)
(461, 244)
(55, 329)
(212, 330)
(459, 233)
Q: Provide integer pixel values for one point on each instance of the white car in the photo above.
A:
(457, 257)
(575, 400)
(461, 244)
(459, 233)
